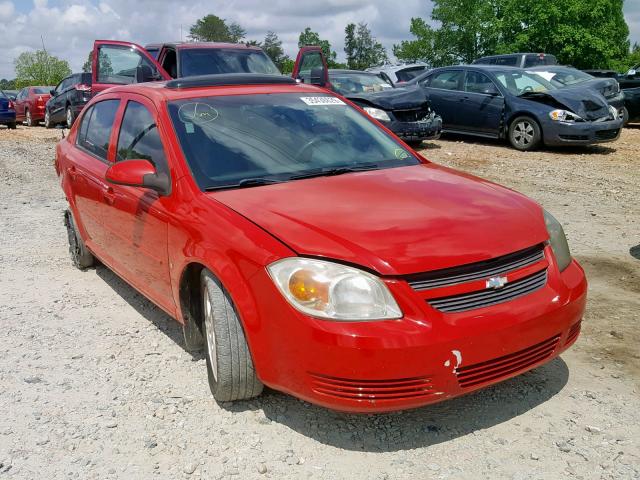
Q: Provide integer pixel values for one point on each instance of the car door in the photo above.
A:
(136, 217)
(482, 105)
(311, 67)
(122, 63)
(88, 164)
(445, 92)
(56, 105)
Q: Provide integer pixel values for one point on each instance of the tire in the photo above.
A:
(11, 126)
(524, 134)
(229, 365)
(70, 117)
(28, 118)
(414, 143)
(625, 116)
(47, 119)
(81, 257)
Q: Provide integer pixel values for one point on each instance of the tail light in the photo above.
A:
(12, 105)
(40, 101)
(81, 87)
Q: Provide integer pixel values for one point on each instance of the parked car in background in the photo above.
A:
(11, 94)
(309, 250)
(404, 111)
(399, 72)
(520, 60)
(68, 99)
(7, 111)
(30, 104)
(562, 76)
(153, 49)
(508, 102)
(630, 84)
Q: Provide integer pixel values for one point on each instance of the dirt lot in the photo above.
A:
(96, 384)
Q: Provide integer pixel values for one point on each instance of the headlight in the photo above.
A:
(377, 114)
(330, 290)
(558, 241)
(564, 116)
(613, 111)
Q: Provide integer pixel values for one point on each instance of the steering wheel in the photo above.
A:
(310, 144)
(526, 89)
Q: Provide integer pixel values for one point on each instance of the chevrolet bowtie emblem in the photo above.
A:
(496, 282)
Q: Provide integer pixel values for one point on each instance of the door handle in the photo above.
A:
(109, 195)
(72, 173)
(466, 97)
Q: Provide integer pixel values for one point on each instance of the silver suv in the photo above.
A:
(399, 72)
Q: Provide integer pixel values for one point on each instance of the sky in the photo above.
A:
(68, 27)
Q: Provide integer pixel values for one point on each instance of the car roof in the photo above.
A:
(351, 72)
(161, 91)
(212, 45)
(550, 68)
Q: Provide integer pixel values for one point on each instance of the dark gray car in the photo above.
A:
(67, 100)
(506, 102)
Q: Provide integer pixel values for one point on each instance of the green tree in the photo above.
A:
(422, 48)
(212, 28)
(287, 66)
(87, 66)
(39, 68)
(309, 37)
(272, 46)
(7, 84)
(362, 49)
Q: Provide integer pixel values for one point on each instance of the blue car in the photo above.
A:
(7, 111)
(507, 102)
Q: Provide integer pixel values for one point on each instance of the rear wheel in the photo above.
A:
(29, 119)
(70, 117)
(81, 257)
(625, 116)
(229, 365)
(47, 120)
(11, 126)
(524, 134)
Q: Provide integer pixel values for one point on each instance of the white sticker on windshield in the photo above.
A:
(322, 101)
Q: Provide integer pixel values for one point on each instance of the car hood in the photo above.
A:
(394, 221)
(586, 102)
(403, 98)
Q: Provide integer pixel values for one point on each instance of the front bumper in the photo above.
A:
(423, 358)
(428, 129)
(580, 133)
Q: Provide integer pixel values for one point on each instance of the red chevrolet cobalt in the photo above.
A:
(306, 248)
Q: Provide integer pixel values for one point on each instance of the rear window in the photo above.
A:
(534, 60)
(226, 140)
(41, 90)
(205, 61)
(407, 74)
(509, 61)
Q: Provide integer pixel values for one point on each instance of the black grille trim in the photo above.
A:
(413, 115)
(477, 271)
(485, 298)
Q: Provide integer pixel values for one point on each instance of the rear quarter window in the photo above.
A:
(510, 61)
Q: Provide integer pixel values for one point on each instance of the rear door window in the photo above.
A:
(447, 80)
(139, 138)
(94, 136)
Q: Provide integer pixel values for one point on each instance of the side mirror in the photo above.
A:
(52, 92)
(317, 77)
(138, 173)
(491, 90)
(144, 73)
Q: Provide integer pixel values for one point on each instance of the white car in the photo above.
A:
(399, 72)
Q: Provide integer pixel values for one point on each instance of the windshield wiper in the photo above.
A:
(330, 171)
(244, 183)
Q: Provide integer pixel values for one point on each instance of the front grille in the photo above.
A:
(574, 331)
(575, 137)
(413, 115)
(607, 134)
(485, 298)
(506, 365)
(477, 271)
(371, 389)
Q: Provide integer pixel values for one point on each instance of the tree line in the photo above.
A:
(582, 33)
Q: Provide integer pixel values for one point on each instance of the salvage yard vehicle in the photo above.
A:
(630, 84)
(400, 72)
(405, 111)
(519, 60)
(30, 104)
(561, 76)
(308, 249)
(507, 102)
(67, 100)
(7, 111)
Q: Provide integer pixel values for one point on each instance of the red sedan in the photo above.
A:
(30, 103)
(307, 248)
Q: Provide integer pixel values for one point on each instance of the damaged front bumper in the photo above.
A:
(581, 133)
(429, 128)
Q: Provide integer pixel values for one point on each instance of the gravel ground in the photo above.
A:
(96, 383)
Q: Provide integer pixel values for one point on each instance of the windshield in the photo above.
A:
(275, 137)
(350, 83)
(205, 61)
(519, 82)
(562, 78)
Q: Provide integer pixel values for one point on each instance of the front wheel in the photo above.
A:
(524, 134)
(70, 117)
(81, 257)
(229, 365)
(11, 126)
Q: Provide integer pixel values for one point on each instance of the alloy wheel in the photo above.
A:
(69, 118)
(211, 334)
(29, 120)
(47, 119)
(523, 133)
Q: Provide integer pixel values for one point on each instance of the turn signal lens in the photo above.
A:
(307, 289)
